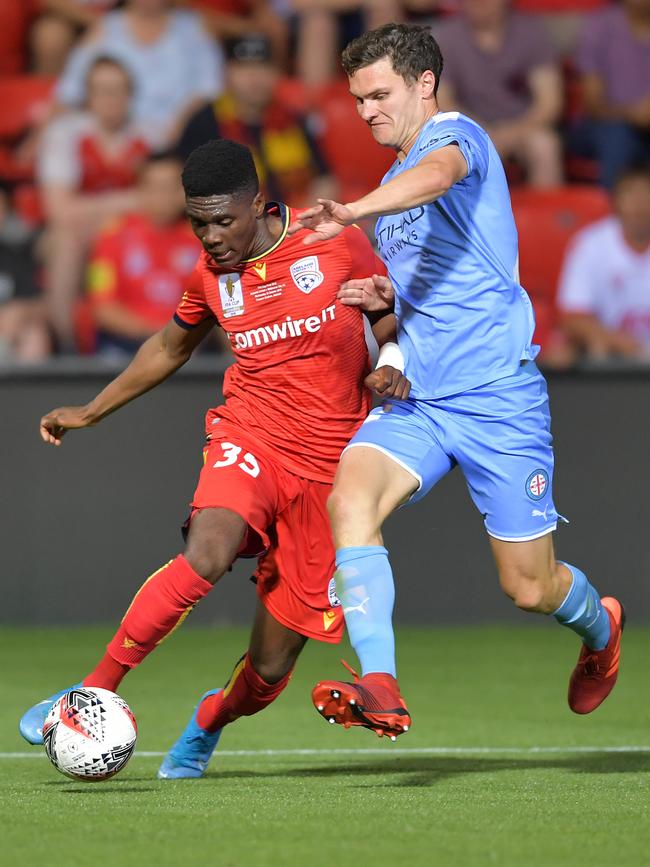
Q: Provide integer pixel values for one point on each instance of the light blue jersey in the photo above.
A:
(463, 318)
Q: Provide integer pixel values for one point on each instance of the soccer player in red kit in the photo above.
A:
(293, 399)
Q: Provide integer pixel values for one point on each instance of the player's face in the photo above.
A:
(227, 226)
(393, 108)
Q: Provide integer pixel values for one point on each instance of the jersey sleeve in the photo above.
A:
(364, 262)
(577, 278)
(193, 308)
(451, 130)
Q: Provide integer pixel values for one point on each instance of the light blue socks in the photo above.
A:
(364, 584)
(583, 611)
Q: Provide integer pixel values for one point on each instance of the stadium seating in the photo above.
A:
(355, 158)
(24, 100)
(546, 221)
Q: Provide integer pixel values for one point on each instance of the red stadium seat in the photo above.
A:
(27, 202)
(24, 100)
(546, 221)
(356, 159)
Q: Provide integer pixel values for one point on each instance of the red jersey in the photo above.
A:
(142, 266)
(301, 356)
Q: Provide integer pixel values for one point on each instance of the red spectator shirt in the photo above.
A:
(296, 387)
(71, 155)
(142, 267)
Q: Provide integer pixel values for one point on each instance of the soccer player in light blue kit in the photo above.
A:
(465, 325)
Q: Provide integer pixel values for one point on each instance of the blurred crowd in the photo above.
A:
(100, 102)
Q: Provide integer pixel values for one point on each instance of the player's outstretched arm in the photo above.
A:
(156, 360)
(430, 179)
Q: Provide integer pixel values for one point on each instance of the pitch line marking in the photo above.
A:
(388, 751)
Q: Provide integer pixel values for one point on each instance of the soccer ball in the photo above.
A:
(89, 733)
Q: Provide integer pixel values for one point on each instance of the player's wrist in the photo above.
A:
(356, 212)
(390, 355)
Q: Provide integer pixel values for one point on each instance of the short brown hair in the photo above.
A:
(410, 48)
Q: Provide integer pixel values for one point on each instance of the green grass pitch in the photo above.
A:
(495, 771)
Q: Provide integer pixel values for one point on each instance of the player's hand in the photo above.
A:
(388, 382)
(54, 425)
(326, 220)
(369, 293)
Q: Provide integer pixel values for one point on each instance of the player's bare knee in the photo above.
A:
(215, 537)
(350, 510)
(272, 668)
(530, 593)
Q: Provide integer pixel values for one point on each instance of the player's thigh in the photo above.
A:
(238, 490)
(215, 536)
(393, 458)
(274, 647)
(502, 442)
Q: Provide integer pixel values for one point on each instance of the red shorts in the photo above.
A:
(288, 529)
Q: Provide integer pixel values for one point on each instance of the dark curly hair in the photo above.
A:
(220, 167)
(410, 48)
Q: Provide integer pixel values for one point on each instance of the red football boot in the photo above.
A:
(594, 676)
(373, 701)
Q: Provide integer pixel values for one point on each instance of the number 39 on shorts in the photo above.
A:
(231, 453)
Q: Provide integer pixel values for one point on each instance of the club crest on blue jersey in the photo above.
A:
(537, 484)
(306, 274)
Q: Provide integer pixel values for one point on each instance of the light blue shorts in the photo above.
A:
(500, 437)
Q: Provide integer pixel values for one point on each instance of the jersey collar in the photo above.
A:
(283, 211)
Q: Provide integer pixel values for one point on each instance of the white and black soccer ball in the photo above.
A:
(89, 733)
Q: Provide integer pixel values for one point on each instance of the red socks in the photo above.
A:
(159, 607)
(244, 694)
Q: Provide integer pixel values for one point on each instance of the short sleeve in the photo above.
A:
(364, 261)
(193, 308)
(591, 47)
(471, 140)
(577, 278)
(205, 70)
(58, 159)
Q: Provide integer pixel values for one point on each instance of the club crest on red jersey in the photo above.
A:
(232, 295)
(306, 274)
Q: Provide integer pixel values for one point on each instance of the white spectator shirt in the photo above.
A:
(184, 64)
(604, 276)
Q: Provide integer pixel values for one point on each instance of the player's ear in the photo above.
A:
(258, 204)
(427, 84)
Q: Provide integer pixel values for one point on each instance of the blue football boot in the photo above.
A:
(189, 757)
(31, 722)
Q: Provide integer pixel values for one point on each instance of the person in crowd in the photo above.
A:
(24, 332)
(604, 291)
(289, 163)
(174, 63)
(323, 27)
(140, 265)
(230, 19)
(50, 41)
(87, 169)
(613, 59)
(500, 69)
